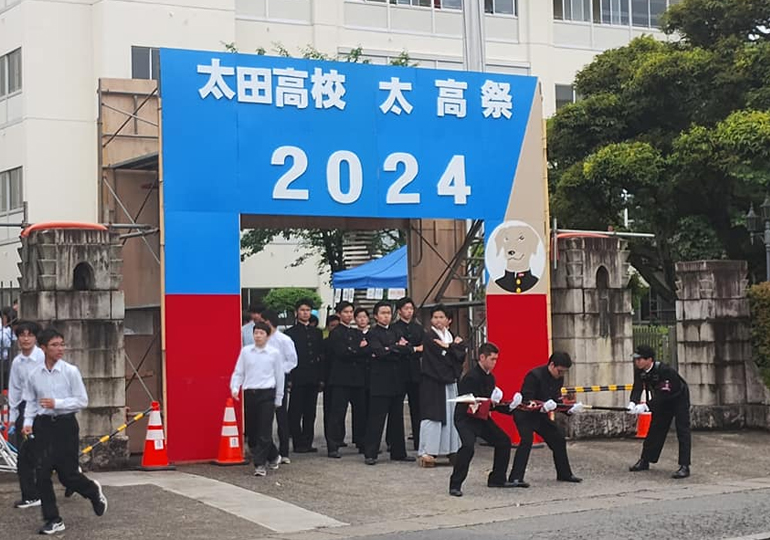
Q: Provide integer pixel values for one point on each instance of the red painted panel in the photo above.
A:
(518, 325)
(202, 344)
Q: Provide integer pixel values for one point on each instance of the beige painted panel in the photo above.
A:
(608, 37)
(406, 19)
(572, 34)
(292, 10)
(251, 8)
(366, 15)
(449, 23)
(502, 28)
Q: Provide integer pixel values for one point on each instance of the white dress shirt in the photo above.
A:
(247, 334)
(17, 381)
(7, 337)
(62, 383)
(259, 369)
(285, 346)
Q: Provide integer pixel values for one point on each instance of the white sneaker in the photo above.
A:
(260, 470)
(285, 460)
(273, 465)
(27, 503)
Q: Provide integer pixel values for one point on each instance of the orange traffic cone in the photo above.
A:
(155, 457)
(643, 424)
(230, 441)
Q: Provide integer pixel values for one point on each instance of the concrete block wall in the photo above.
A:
(90, 315)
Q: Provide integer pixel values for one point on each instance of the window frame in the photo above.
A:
(6, 191)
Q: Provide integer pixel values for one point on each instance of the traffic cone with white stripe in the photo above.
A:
(155, 456)
(230, 442)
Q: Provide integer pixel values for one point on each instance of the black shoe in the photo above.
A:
(503, 485)
(572, 478)
(683, 472)
(68, 493)
(641, 465)
(26, 503)
(305, 450)
(410, 459)
(52, 526)
(361, 450)
(312, 450)
(100, 501)
(370, 461)
(455, 492)
(344, 445)
(334, 454)
(519, 483)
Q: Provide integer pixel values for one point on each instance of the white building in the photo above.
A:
(53, 52)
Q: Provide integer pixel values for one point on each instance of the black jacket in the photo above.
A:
(662, 386)
(413, 333)
(517, 282)
(540, 386)
(347, 357)
(475, 382)
(388, 375)
(309, 342)
(440, 367)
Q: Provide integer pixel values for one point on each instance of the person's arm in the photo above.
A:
(15, 389)
(529, 387)
(279, 379)
(380, 349)
(79, 398)
(289, 353)
(636, 390)
(236, 380)
(32, 407)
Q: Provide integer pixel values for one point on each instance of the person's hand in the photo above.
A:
(630, 407)
(458, 340)
(576, 408)
(441, 343)
(47, 403)
(418, 348)
(549, 406)
(278, 405)
(515, 402)
(27, 430)
(363, 343)
(236, 395)
(403, 341)
(497, 395)
(641, 408)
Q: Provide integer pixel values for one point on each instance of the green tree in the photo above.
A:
(284, 299)
(327, 243)
(677, 133)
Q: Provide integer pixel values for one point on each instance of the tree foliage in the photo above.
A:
(284, 299)
(677, 133)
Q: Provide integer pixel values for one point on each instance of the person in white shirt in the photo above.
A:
(30, 356)
(6, 344)
(259, 372)
(247, 330)
(53, 395)
(284, 345)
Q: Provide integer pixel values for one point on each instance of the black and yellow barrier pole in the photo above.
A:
(586, 389)
(106, 438)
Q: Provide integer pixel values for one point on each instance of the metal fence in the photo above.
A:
(662, 338)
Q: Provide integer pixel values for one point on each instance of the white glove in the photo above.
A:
(548, 406)
(497, 395)
(576, 408)
(516, 401)
(641, 408)
(630, 407)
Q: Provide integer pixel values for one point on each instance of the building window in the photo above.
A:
(504, 7)
(11, 198)
(10, 73)
(145, 63)
(565, 94)
(572, 10)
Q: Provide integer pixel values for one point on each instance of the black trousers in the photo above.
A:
(659, 426)
(380, 408)
(535, 422)
(259, 408)
(25, 461)
(56, 449)
(341, 396)
(413, 394)
(469, 429)
(327, 407)
(282, 420)
(302, 406)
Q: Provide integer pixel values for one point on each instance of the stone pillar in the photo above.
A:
(714, 345)
(71, 279)
(591, 320)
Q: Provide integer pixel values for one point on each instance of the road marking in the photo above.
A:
(758, 536)
(268, 512)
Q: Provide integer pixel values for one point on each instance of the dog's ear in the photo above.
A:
(500, 240)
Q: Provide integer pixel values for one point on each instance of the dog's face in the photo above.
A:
(517, 244)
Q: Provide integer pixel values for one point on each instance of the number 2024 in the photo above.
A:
(451, 184)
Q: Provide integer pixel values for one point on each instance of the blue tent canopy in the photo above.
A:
(388, 272)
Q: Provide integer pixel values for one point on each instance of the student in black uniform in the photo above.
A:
(305, 379)
(413, 331)
(349, 349)
(474, 421)
(332, 321)
(390, 352)
(543, 385)
(668, 398)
